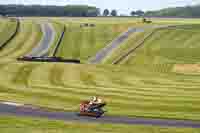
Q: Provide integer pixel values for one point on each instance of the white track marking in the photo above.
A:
(12, 104)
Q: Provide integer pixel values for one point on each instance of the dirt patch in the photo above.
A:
(187, 68)
(120, 28)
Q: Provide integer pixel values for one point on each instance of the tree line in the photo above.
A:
(38, 10)
(114, 12)
(91, 11)
(183, 12)
(69, 10)
(187, 12)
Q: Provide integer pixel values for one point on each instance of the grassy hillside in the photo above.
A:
(170, 46)
(28, 36)
(128, 91)
(132, 42)
(7, 28)
(160, 80)
(58, 28)
(83, 42)
(27, 125)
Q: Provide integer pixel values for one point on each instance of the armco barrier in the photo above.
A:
(59, 42)
(12, 36)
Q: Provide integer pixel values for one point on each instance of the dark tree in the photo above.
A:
(133, 13)
(106, 12)
(2, 14)
(139, 13)
(80, 10)
(114, 13)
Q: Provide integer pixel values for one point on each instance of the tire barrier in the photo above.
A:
(48, 59)
(12, 36)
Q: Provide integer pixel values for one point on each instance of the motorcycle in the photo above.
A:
(92, 110)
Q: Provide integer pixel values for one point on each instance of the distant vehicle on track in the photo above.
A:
(48, 59)
(145, 20)
(87, 25)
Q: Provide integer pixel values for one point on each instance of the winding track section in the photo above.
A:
(29, 111)
(114, 44)
(118, 41)
(42, 48)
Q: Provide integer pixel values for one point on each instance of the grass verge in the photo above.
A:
(33, 125)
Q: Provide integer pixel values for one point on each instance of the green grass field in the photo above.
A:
(161, 79)
(170, 46)
(129, 91)
(7, 28)
(132, 42)
(58, 28)
(30, 125)
(84, 42)
(28, 36)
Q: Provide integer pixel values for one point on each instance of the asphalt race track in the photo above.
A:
(119, 40)
(29, 111)
(114, 44)
(48, 37)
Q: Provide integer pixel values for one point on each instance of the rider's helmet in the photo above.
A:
(95, 98)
